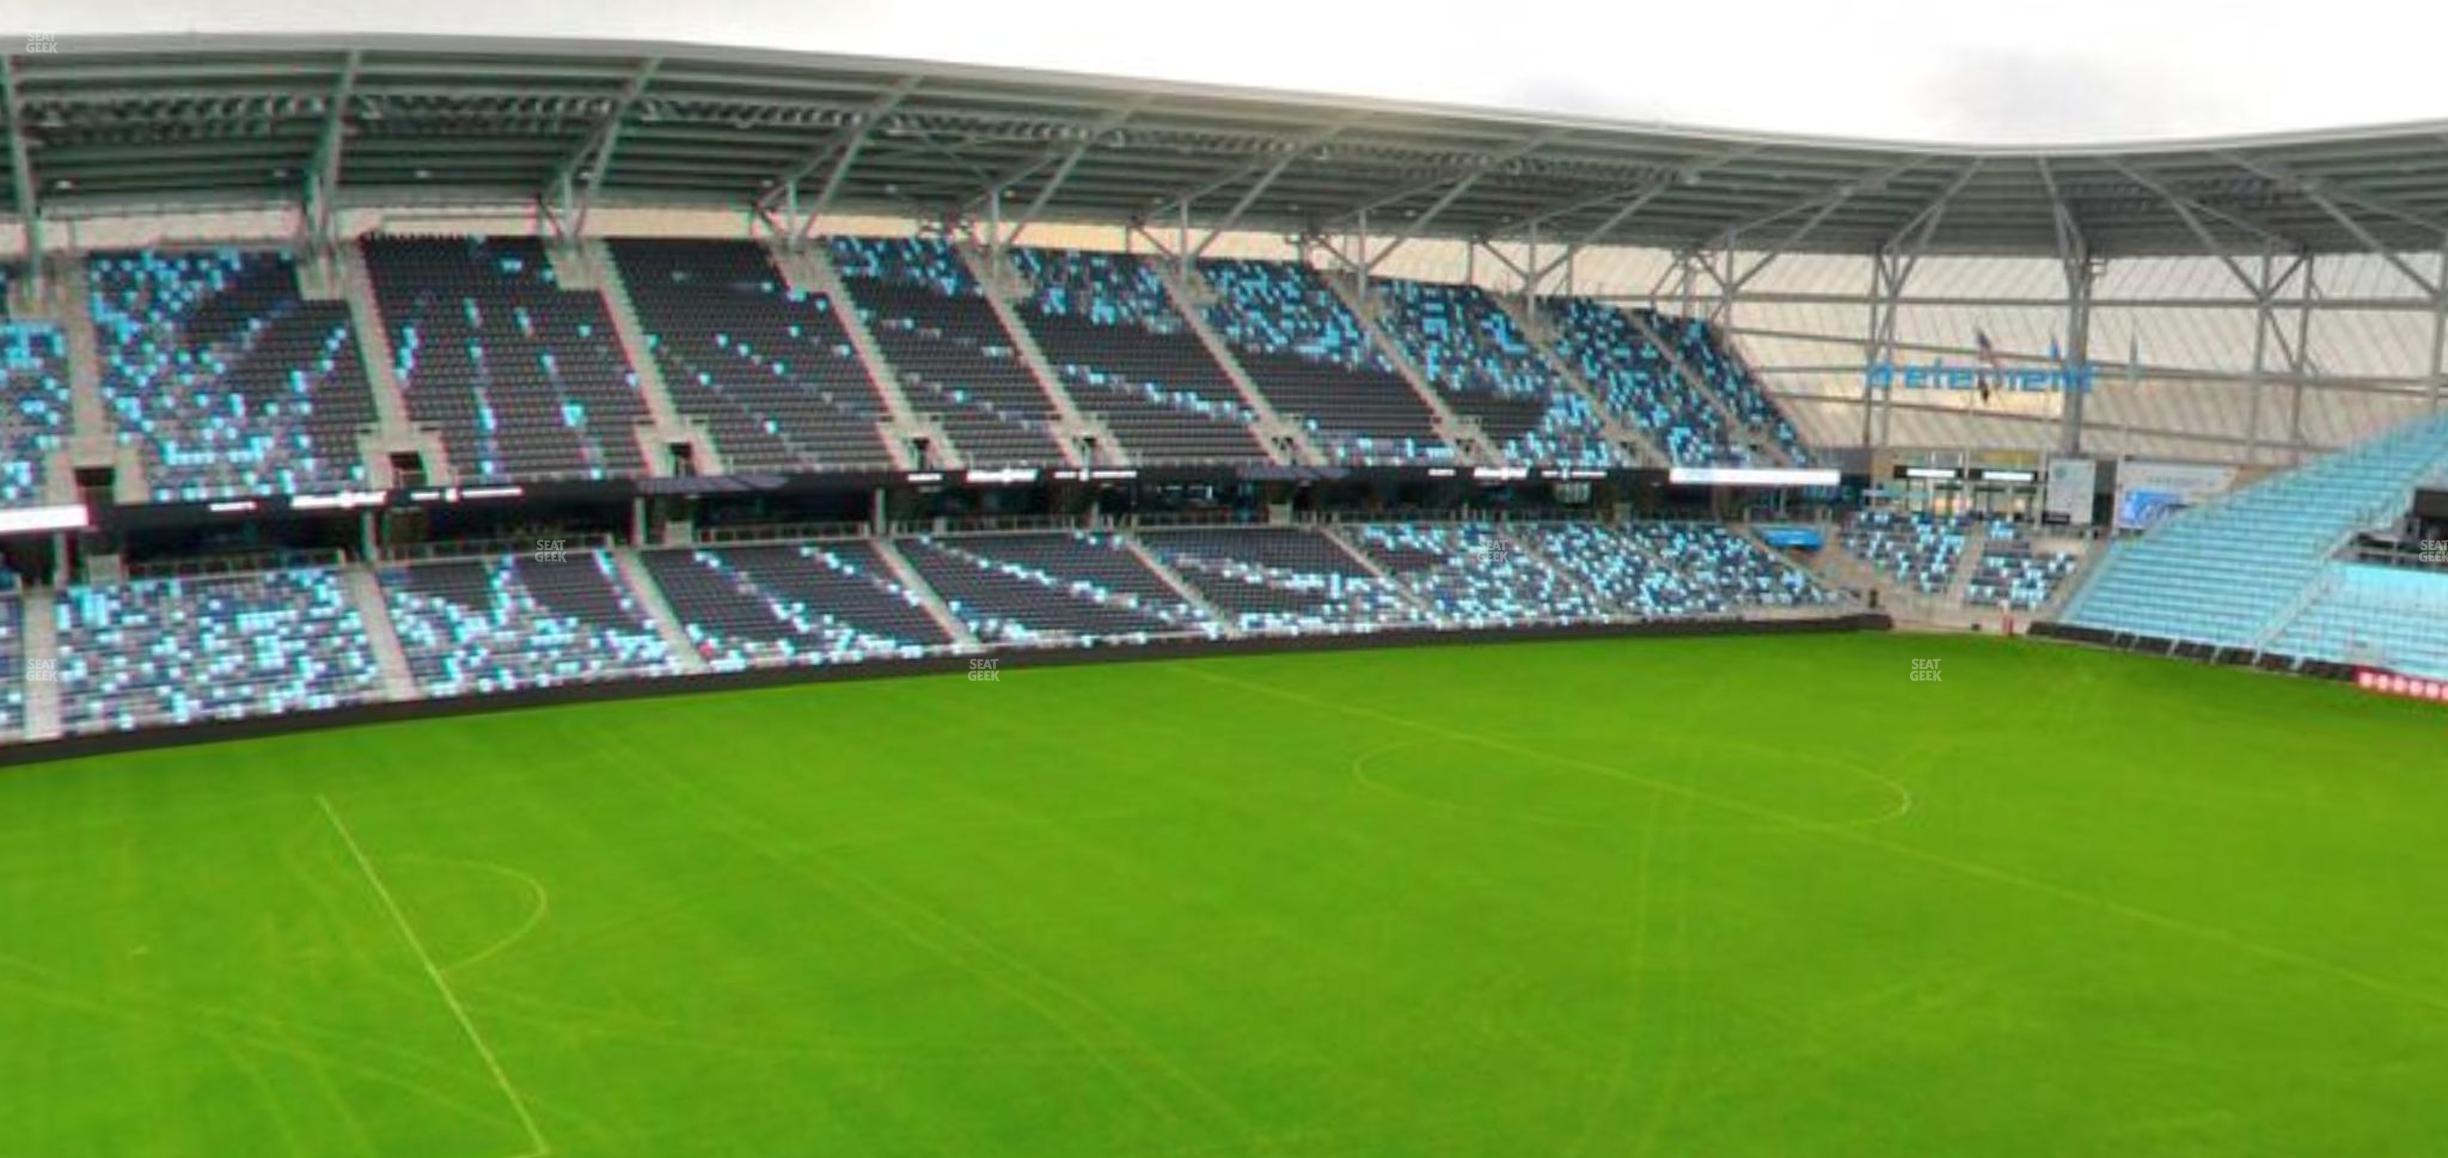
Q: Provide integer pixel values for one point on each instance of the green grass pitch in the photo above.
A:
(1710, 896)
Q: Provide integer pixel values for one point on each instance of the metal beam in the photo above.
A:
(1064, 159)
(323, 170)
(1462, 177)
(2429, 287)
(840, 150)
(2308, 185)
(593, 156)
(1686, 174)
(21, 173)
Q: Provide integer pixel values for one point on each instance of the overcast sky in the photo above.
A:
(2046, 71)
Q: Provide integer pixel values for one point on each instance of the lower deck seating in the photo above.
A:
(1078, 588)
(13, 672)
(2385, 617)
(505, 624)
(1916, 550)
(1282, 580)
(802, 603)
(2013, 572)
(1611, 563)
(1472, 574)
(156, 652)
(1730, 571)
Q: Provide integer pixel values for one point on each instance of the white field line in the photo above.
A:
(492, 1064)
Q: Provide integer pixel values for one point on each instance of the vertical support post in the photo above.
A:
(2264, 320)
(1360, 260)
(2303, 357)
(2079, 275)
(2439, 329)
(1181, 248)
(994, 233)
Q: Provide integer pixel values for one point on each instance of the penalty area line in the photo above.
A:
(538, 1148)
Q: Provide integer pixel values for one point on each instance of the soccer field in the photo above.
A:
(1707, 896)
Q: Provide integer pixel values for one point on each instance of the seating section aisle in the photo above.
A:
(509, 623)
(2013, 572)
(1077, 588)
(804, 603)
(1703, 349)
(769, 368)
(955, 359)
(1470, 573)
(1471, 352)
(525, 379)
(1916, 550)
(1317, 365)
(1282, 580)
(153, 652)
(227, 380)
(1108, 329)
(1635, 380)
(35, 416)
(2233, 571)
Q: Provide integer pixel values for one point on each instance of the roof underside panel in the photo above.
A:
(158, 122)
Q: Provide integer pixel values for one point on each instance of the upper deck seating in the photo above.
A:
(1636, 381)
(1704, 349)
(1470, 351)
(225, 378)
(1316, 364)
(1109, 330)
(956, 361)
(34, 420)
(769, 368)
(525, 379)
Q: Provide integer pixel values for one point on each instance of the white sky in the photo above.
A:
(1968, 71)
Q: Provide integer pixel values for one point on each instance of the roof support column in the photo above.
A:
(2080, 273)
(2439, 331)
(2301, 357)
(21, 178)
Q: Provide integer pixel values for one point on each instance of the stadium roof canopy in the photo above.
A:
(110, 126)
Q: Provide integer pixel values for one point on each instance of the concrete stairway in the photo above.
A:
(1543, 338)
(393, 432)
(1336, 536)
(809, 270)
(1191, 295)
(1002, 283)
(665, 426)
(667, 624)
(1453, 427)
(1181, 587)
(1699, 384)
(93, 438)
(908, 577)
(365, 594)
(41, 647)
